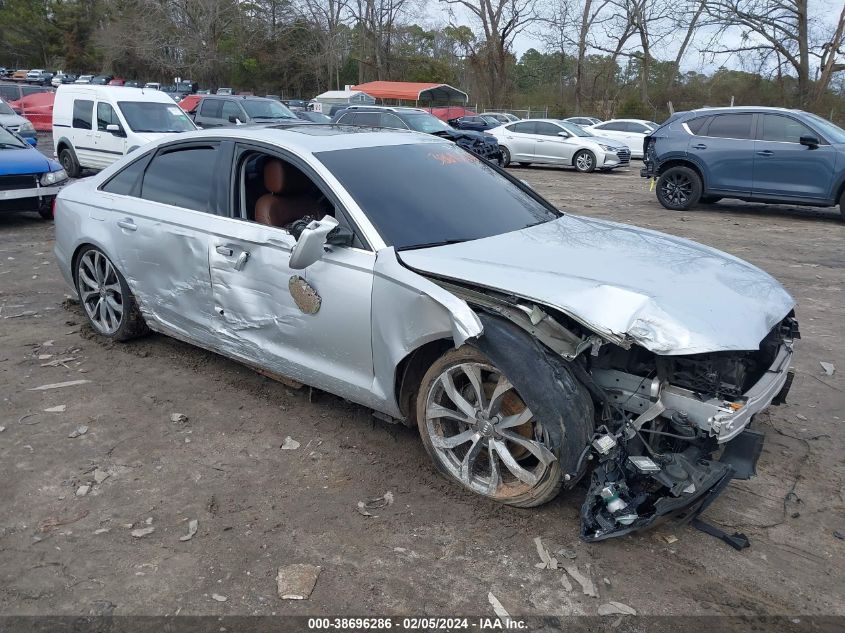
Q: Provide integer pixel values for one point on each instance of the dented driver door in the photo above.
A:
(311, 325)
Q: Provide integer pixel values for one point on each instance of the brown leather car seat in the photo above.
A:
(288, 200)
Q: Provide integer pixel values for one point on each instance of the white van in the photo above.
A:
(93, 126)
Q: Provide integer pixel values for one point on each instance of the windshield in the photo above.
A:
(831, 131)
(575, 130)
(453, 195)
(266, 109)
(145, 116)
(5, 109)
(424, 122)
(9, 140)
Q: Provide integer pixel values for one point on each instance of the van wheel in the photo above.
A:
(69, 163)
(678, 188)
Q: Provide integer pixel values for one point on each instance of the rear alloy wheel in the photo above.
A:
(678, 188)
(482, 435)
(584, 161)
(506, 156)
(105, 296)
(69, 163)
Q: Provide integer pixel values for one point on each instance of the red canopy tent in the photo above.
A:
(428, 93)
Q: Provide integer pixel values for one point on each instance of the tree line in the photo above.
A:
(602, 57)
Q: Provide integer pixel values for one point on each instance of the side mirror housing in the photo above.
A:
(114, 128)
(809, 141)
(309, 247)
(234, 119)
(32, 141)
(340, 236)
(563, 134)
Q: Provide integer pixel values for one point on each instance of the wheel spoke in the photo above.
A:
(87, 294)
(115, 287)
(451, 391)
(544, 455)
(86, 279)
(502, 387)
(454, 440)
(495, 476)
(435, 411)
(473, 372)
(518, 419)
(98, 273)
(469, 459)
(114, 305)
(510, 463)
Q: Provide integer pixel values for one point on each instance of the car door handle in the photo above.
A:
(127, 224)
(765, 152)
(242, 260)
(699, 146)
(225, 251)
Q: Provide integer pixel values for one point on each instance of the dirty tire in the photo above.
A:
(584, 161)
(93, 266)
(69, 164)
(679, 188)
(533, 455)
(506, 156)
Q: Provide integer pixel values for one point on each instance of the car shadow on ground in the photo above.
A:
(739, 209)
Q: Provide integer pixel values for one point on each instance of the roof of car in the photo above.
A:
(317, 137)
(122, 92)
(717, 109)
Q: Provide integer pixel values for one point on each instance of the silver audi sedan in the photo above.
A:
(394, 269)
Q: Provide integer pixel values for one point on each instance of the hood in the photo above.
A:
(149, 137)
(24, 161)
(667, 294)
(612, 142)
(9, 120)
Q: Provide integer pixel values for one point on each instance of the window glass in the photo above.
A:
(613, 127)
(638, 127)
(151, 116)
(211, 108)
(266, 109)
(425, 122)
(106, 116)
(10, 93)
(832, 132)
(182, 177)
(82, 114)
(371, 119)
(230, 108)
(32, 90)
(6, 109)
(730, 126)
(696, 125)
(524, 127)
(391, 121)
(453, 195)
(547, 129)
(124, 181)
(783, 128)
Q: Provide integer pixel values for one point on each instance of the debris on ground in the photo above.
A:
(296, 582)
(839, 535)
(498, 609)
(102, 530)
(375, 503)
(218, 597)
(57, 409)
(616, 608)
(289, 444)
(100, 476)
(666, 538)
(80, 430)
(565, 580)
(2, 428)
(59, 385)
(828, 368)
(83, 490)
(548, 561)
(53, 522)
(193, 524)
(142, 532)
(803, 418)
(585, 581)
(606, 581)
(178, 418)
(567, 553)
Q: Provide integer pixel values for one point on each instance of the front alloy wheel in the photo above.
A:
(481, 433)
(584, 161)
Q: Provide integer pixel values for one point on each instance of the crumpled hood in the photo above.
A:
(667, 294)
(24, 161)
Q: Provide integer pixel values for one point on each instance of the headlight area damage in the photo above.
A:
(660, 420)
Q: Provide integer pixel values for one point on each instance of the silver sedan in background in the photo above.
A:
(399, 271)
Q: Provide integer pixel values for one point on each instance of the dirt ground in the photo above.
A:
(437, 549)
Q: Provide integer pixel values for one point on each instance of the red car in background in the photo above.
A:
(117, 81)
(38, 108)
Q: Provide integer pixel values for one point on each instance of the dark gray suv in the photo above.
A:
(748, 153)
(228, 111)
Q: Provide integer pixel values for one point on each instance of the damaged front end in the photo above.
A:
(665, 420)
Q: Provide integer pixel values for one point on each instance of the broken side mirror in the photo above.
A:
(340, 236)
(309, 247)
(810, 141)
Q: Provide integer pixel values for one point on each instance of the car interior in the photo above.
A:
(277, 193)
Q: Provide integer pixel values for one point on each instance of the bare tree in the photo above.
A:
(829, 57)
(501, 21)
(690, 17)
(327, 19)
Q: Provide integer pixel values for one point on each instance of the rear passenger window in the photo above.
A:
(211, 108)
(372, 119)
(730, 126)
(614, 127)
(696, 125)
(82, 114)
(182, 177)
(125, 182)
(783, 129)
(525, 127)
(547, 129)
(392, 121)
